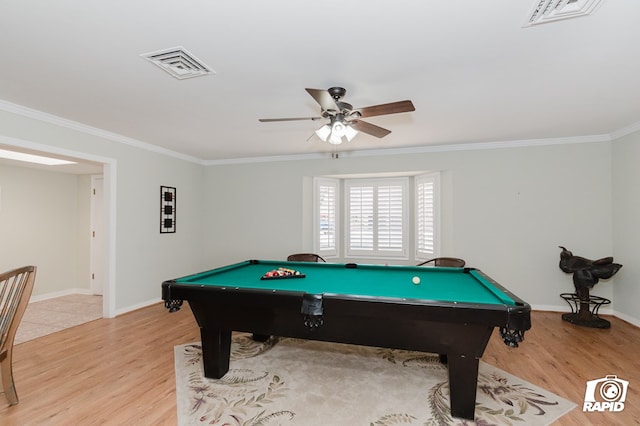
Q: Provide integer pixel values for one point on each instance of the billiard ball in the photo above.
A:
(416, 280)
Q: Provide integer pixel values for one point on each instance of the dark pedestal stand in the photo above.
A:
(584, 309)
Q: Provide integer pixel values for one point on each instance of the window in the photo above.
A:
(426, 210)
(377, 217)
(326, 216)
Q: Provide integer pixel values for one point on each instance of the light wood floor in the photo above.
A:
(121, 371)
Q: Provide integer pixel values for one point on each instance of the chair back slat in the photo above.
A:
(15, 290)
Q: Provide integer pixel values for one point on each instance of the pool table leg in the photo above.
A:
(463, 382)
(216, 349)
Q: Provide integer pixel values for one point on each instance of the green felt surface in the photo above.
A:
(438, 284)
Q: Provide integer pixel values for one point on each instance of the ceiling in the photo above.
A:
(473, 71)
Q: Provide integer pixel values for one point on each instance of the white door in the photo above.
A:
(97, 235)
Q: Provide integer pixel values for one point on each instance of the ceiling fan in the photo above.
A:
(344, 119)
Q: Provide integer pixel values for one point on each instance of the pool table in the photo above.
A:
(449, 311)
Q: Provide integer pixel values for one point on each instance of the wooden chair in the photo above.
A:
(15, 290)
(445, 261)
(305, 257)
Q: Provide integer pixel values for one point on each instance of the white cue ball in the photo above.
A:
(416, 280)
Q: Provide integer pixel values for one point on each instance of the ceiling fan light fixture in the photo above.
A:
(335, 132)
(344, 120)
(350, 133)
(335, 139)
(338, 129)
(324, 132)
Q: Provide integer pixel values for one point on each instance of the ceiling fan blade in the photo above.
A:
(324, 98)
(370, 129)
(267, 120)
(383, 109)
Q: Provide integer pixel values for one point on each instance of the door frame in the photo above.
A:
(109, 167)
(96, 252)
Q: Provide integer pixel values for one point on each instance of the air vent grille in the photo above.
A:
(544, 11)
(178, 62)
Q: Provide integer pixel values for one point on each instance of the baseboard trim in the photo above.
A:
(627, 318)
(137, 306)
(53, 295)
(607, 311)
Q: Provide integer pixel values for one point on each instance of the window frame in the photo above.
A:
(434, 178)
(376, 251)
(411, 216)
(318, 182)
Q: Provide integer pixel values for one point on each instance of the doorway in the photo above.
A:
(108, 188)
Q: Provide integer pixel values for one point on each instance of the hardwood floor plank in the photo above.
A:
(121, 371)
(562, 357)
(109, 371)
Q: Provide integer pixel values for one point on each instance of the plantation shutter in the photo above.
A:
(326, 216)
(361, 218)
(426, 188)
(377, 217)
(390, 218)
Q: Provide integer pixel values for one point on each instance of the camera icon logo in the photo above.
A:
(606, 394)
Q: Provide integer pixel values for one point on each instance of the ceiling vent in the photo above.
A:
(544, 11)
(178, 62)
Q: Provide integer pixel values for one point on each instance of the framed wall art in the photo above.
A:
(167, 210)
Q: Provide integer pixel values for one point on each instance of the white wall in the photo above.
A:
(143, 257)
(43, 223)
(626, 229)
(514, 207)
(506, 211)
(146, 258)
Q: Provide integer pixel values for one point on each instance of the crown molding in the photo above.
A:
(94, 131)
(632, 128)
(52, 119)
(476, 146)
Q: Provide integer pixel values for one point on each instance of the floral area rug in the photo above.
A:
(300, 382)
